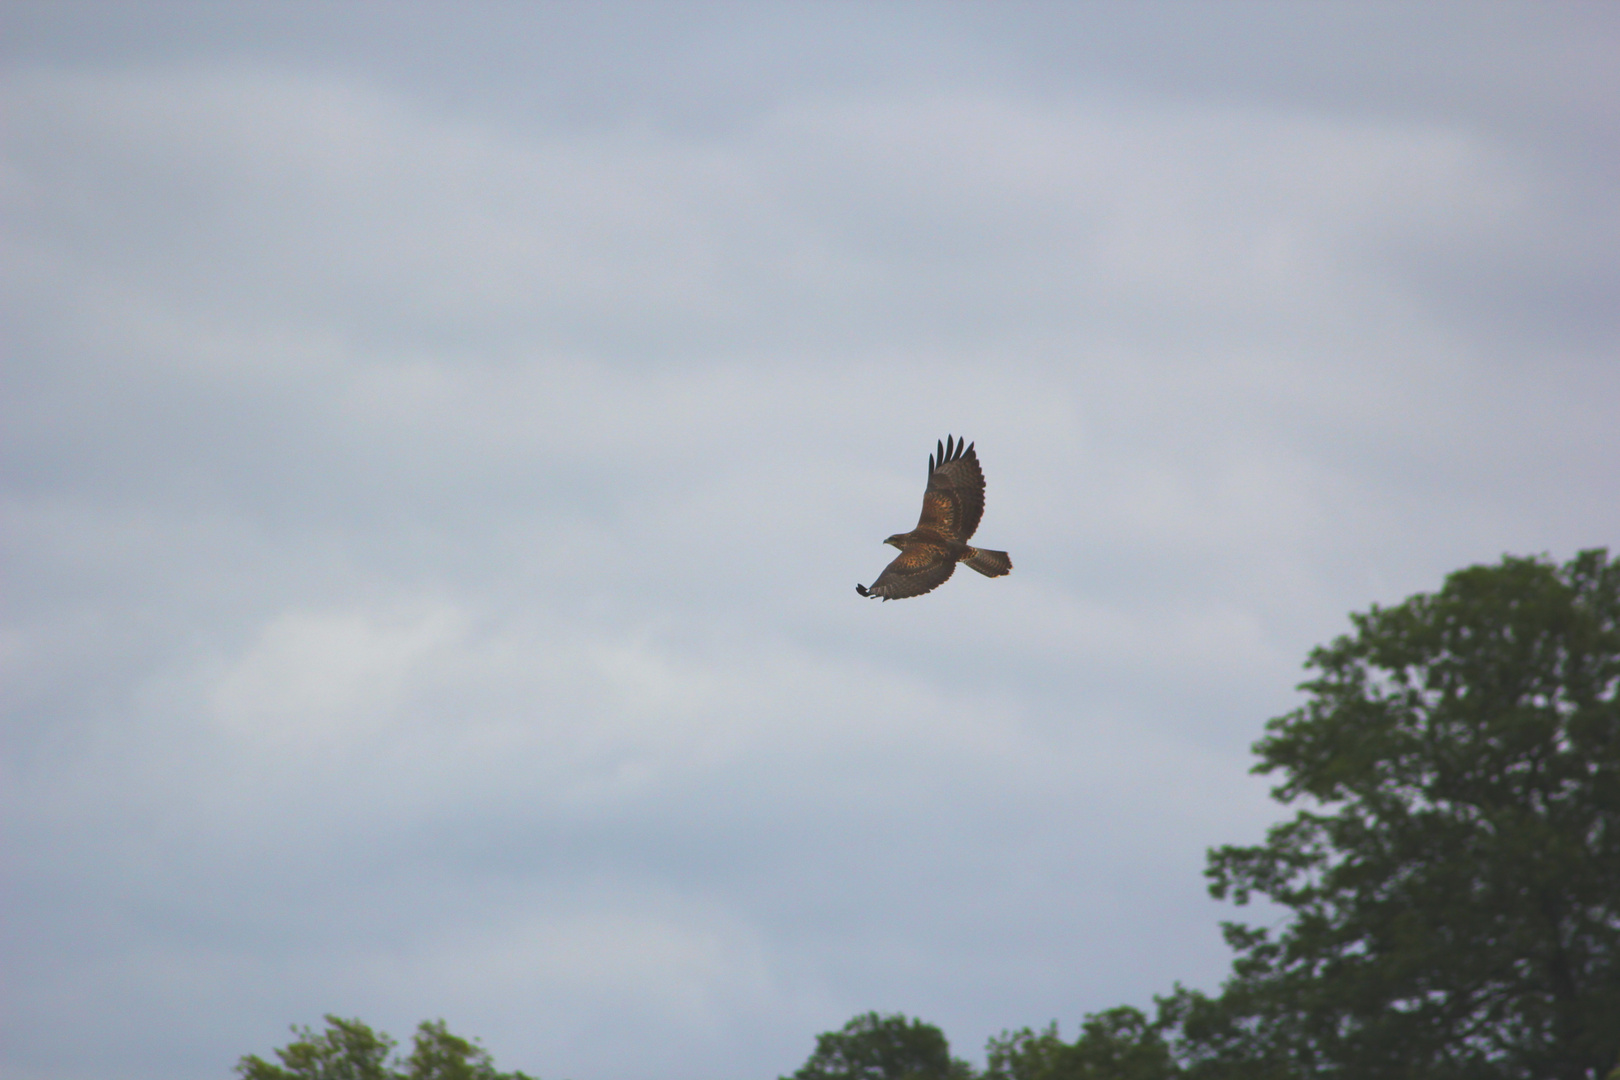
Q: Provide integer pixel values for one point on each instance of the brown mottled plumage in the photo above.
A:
(953, 503)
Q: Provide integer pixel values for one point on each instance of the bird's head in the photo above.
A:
(897, 540)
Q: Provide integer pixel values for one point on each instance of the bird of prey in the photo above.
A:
(953, 502)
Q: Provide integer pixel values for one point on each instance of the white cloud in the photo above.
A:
(325, 681)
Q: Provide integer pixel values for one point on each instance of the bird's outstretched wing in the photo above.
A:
(953, 502)
(919, 568)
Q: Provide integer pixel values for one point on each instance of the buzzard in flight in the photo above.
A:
(953, 502)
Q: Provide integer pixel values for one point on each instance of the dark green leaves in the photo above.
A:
(1119, 1044)
(873, 1047)
(1456, 884)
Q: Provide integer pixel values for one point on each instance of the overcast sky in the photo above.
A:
(440, 444)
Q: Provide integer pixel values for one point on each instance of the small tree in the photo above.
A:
(873, 1047)
(1455, 877)
(349, 1050)
(438, 1055)
(346, 1050)
(1118, 1044)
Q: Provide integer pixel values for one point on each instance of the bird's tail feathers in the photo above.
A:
(989, 563)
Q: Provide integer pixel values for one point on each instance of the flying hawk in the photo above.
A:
(953, 502)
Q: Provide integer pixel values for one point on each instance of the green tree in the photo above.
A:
(1118, 1044)
(873, 1047)
(1454, 875)
(349, 1050)
(438, 1055)
(1026, 1054)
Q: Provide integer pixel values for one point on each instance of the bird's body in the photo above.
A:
(953, 503)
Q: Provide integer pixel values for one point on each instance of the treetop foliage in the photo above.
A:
(873, 1047)
(349, 1050)
(1118, 1044)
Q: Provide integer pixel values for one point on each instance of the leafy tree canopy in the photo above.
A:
(873, 1047)
(1119, 1044)
(1454, 876)
(349, 1050)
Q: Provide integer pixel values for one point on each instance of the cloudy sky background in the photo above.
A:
(440, 444)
